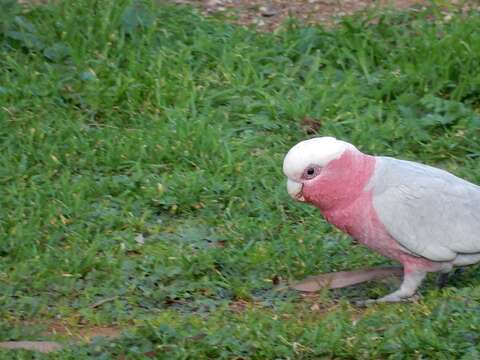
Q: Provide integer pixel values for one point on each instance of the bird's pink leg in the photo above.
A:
(412, 278)
(410, 284)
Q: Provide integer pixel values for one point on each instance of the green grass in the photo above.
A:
(123, 119)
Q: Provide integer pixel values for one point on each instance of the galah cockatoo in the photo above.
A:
(423, 217)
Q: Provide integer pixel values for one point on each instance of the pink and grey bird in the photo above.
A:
(423, 217)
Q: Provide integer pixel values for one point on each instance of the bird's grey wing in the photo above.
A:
(430, 212)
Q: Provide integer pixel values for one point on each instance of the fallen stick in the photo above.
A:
(343, 279)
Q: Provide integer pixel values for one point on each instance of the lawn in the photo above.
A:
(141, 179)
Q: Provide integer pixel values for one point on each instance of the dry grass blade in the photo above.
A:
(103, 301)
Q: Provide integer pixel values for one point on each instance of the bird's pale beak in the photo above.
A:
(295, 190)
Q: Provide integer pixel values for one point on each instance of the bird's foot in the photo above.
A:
(387, 299)
(444, 278)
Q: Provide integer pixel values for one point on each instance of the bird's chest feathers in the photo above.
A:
(341, 193)
(343, 197)
(357, 218)
(360, 220)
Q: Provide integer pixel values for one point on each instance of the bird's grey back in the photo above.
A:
(429, 211)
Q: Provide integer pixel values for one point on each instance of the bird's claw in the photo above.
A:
(365, 303)
(444, 278)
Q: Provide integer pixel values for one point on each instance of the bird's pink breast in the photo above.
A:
(360, 220)
(344, 200)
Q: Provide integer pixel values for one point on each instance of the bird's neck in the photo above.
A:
(342, 181)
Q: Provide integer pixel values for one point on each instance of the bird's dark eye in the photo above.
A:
(310, 172)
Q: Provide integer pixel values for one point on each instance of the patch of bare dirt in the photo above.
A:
(268, 15)
(239, 306)
(40, 346)
(33, 2)
(81, 333)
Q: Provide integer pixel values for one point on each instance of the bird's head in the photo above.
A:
(306, 163)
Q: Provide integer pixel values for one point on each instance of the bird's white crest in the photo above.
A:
(317, 151)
